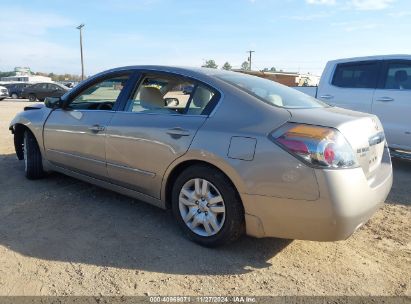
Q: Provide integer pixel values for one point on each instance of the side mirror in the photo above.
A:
(53, 102)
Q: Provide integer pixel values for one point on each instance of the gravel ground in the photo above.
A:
(60, 236)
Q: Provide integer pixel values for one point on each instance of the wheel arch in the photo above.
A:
(18, 129)
(179, 167)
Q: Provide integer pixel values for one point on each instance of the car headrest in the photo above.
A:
(401, 76)
(150, 97)
(201, 97)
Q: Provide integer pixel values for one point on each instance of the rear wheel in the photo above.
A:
(33, 165)
(32, 97)
(207, 207)
(14, 96)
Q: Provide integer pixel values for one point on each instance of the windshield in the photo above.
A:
(270, 92)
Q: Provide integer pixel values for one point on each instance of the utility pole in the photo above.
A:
(81, 49)
(249, 58)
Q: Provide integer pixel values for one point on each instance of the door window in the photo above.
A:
(398, 76)
(356, 75)
(41, 86)
(169, 95)
(101, 95)
(53, 87)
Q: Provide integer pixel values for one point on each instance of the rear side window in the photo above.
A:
(356, 75)
(170, 94)
(398, 76)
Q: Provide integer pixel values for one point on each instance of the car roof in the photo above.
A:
(376, 57)
(196, 72)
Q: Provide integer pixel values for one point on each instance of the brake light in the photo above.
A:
(318, 146)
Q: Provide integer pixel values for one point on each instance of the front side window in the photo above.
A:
(398, 76)
(360, 75)
(165, 94)
(101, 95)
(269, 91)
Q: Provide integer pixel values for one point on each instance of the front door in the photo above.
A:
(74, 137)
(156, 127)
(392, 103)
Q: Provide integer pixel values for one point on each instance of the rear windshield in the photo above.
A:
(271, 92)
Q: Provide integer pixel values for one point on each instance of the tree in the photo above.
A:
(227, 66)
(210, 64)
(272, 69)
(245, 65)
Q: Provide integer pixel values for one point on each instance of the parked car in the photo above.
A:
(4, 93)
(380, 85)
(42, 90)
(243, 155)
(16, 88)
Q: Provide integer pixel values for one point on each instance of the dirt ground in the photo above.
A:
(60, 236)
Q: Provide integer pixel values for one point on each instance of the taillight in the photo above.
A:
(318, 146)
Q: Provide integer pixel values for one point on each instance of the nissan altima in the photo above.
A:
(235, 155)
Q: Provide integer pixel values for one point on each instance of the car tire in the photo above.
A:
(225, 226)
(33, 164)
(14, 96)
(32, 97)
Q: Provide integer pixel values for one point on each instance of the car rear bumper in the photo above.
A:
(347, 200)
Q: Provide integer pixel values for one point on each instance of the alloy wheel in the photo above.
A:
(202, 207)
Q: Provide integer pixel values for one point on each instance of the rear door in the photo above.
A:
(392, 103)
(350, 85)
(40, 90)
(54, 90)
(156, 126)
(75, 137)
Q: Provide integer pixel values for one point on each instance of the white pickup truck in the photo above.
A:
(380, 85)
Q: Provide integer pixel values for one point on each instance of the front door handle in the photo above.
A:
(97, 128)
(327, 96)
(385, 99)
(178, 132)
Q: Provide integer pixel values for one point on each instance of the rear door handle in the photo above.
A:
(385, 99)
(97, 128)
(327, 96)
(178, 132)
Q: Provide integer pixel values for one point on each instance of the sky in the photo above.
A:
(292, 35)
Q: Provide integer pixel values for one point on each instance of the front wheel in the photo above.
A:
(207, 206)
(33, 165)
(14, 96)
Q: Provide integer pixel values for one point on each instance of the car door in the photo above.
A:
(350, 85)
(54, 90)
(156, 127)
(74, 136)
(41, 90)
(392, 103)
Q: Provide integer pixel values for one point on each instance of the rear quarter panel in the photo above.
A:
(271, 171)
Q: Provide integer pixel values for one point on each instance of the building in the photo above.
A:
(291, 79)
(23, 74)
